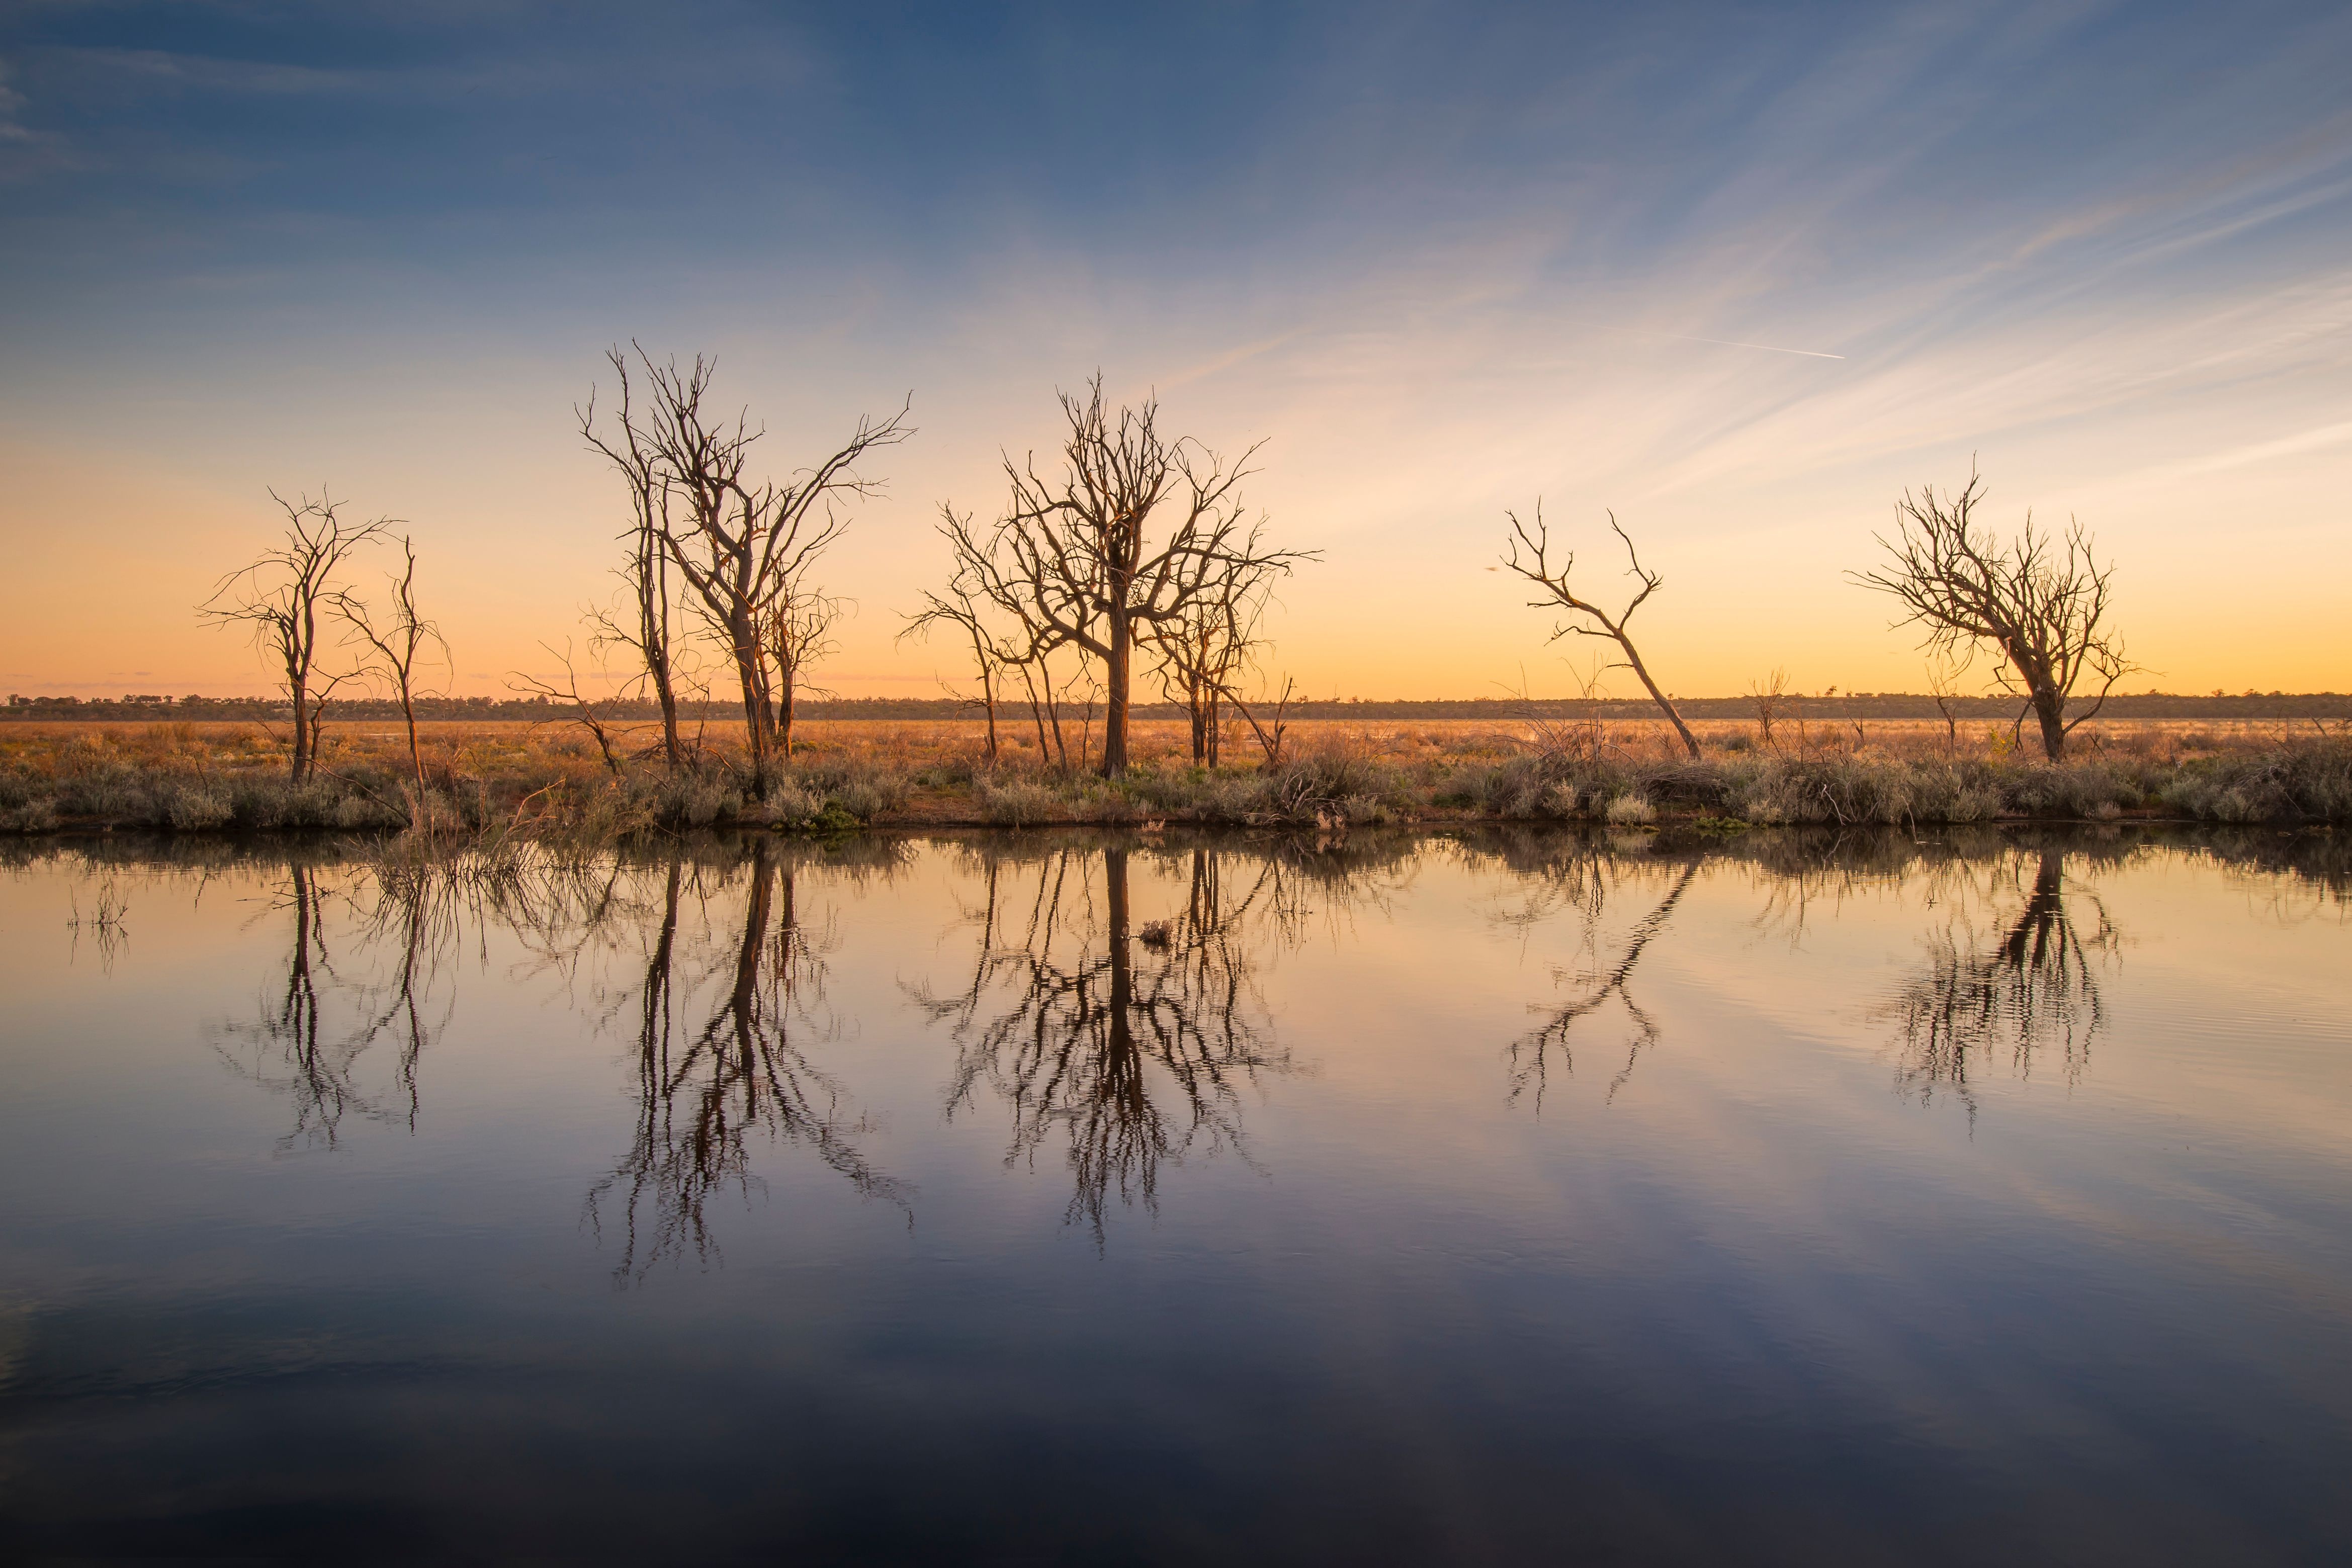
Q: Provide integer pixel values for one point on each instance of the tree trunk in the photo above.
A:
(408, 713)
(653, 633)
(667, 697)
(300, 690)
(1690, 742)
(2050, 709)
(1115, 682)
(756, 720)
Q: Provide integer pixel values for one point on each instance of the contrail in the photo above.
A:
(1731, 343)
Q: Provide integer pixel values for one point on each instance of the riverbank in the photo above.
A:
(189, 779)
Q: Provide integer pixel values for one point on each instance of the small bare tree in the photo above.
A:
(587, 711)
(1943, 685)
(1527, 559)
(394, 643)
(2041, 601)
(283, 596)
(1205, 650)
(798, 632)
(1770, 696)
(964, 608)
(1075, 561)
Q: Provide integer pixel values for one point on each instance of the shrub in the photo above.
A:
(196, 806)
(1630, 810)
(1019, 804)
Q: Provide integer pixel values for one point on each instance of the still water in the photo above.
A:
(1516, 1197)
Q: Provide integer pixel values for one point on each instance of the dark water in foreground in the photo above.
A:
(1485, 1199)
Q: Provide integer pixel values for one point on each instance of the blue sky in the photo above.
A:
(1445, 259)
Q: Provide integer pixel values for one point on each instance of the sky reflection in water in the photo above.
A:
(1502, 1196)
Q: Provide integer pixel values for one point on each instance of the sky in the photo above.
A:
(1741, 274)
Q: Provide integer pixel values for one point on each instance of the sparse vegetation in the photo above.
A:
(551, 782)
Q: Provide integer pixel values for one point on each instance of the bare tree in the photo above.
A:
(797, 633)
(2041, 601)
(283, 595)
(1075, 562)
(1770, 695)
(964, 608)
(395, 641)
(1269, 731)
(743, 544)
(1943, 685)
(646, 573)
(585, 711)
(1205, 649)
(1527, 559)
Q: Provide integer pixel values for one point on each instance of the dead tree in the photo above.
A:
(1271, 730)
(1770, 695)
(743, 544)
(2041, 602)
(584, 710)
(646, 573)
(394, 642)
(963, 609)
(1527, 559)
(1204, 651)
(1074, 560)
(797, 633)
(283, 597)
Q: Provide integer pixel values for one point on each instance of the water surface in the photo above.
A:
(1488, 1198)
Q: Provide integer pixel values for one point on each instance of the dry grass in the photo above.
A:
(549, 778)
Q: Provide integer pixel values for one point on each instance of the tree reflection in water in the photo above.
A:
(294, 1044)
(2013, 971)
(722, 1033)
(1130, 1046)
(1561, 874)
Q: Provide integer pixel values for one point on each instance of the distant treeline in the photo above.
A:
(1860, 705)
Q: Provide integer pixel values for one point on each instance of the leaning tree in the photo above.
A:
(1133, 532)
(2040, 601)
(1528, 557)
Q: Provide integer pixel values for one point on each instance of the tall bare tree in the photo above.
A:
(2041, 601)
(647, 630)
(395, 641)
(285, 594)
(1588, 619)
(1133, 532)
(743, 544)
